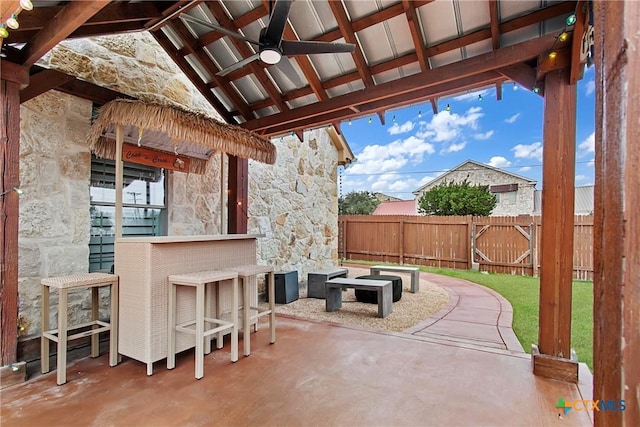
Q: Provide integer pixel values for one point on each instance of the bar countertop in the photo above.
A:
(186, 239)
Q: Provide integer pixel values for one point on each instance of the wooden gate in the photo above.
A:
(505, 246)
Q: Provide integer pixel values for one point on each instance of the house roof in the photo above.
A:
(469, 165)
(406, 52)
(399, 207)
(583, 200)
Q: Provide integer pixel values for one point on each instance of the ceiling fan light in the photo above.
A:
(270, 56)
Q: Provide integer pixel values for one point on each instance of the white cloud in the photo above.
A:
(453, 148)
(471, 96)
(447, 126)
(398, 185)
(590, 87)
(391, 157)
(588, 145)
(591, 163)
(524, 169)
(499, 162)
(581, 178)
(512, 118)
(403, 128)
(483, 136)
(531, 151)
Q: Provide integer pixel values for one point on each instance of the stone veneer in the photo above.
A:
(293, 203)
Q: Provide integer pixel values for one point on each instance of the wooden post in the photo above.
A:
(238, 195)
(556, 267)
(616, 304)
(9, 209)
(223, 195)
(119, 179)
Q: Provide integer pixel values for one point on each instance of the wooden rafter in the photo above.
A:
(416, 34)
(522, 74)
(499, 91)
(42, 82)
(577, 67)
(224, 21)
(495, 24)
(434, 105)
(349, 35)
(60, 27)
(490, 61)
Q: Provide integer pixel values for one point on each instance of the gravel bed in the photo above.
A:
(409, 311)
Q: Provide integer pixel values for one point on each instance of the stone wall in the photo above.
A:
(293, 203)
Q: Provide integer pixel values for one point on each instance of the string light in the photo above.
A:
(18, 190)
(448, 107)
(553, 54)
(536, 89)
(393, 119)
(370, 120)
(571, 19)
(3, 31)
(13, 22)
(420, 114)
(480, 97)
(563, 36)
(349, 122)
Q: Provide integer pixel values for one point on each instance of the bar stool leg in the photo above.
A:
(207, 313)
(272, 307)
(234, 318)
(62, 336)
(200, 331)
(113, 321)
(246, 332)
(95, 309)
(171, 325)
(44, 322)
(220, 335)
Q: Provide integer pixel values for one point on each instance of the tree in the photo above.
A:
(358, 203)
(457, 199)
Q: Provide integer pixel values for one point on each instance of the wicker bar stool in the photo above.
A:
(246, 275)
(61, 335)
(202, 281)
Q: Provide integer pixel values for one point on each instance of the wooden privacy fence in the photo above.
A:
(507, 245)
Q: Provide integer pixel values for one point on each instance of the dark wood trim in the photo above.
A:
(616, 304)
(238, 195)
(557, 368)
(9, 209)
(558, 193)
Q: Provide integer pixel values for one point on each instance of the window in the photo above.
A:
(143, 214)
(509, 197)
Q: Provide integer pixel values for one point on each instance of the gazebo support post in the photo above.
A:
(12, 78)
(552, 356)
(616, 303)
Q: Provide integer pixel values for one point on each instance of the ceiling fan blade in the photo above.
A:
(291, 47)
(277, 21)
(215, 27)
(287, 69)
(238, 65)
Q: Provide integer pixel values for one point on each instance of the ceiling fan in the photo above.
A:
(271, 47)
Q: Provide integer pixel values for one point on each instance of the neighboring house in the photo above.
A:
(396, 207)
(514, 193)
(583, 204)
(384, 198)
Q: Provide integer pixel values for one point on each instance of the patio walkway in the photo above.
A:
(319, 374)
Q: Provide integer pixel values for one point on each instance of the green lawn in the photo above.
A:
(523, 294)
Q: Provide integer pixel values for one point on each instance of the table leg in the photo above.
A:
(62, 336)
(234, 319)
(95, 314)
(113, 321)
(44, 322)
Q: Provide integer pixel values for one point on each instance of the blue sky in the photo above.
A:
(399, 157)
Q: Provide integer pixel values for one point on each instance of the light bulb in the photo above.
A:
(3, 31)
(571, 19)
(536, 89)
(26, 4)
(349, 122)
(420, 114)
(393, 119)
(448, 107)
(370, 120)
(553, 54)
(563, 36)
(13, 22)
(480, 97)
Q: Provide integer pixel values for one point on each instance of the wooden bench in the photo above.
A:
(317, 279)
(415, 273)
(384, 289)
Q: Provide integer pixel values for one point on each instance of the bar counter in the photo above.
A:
(144, 263)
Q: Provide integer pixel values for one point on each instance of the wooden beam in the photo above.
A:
(560, 61)
(434, 105)
(495, 24)
(493, 60)
(558, 193)
(499, 91)
(349, 35)
(9, 211)
(616, 303)
(42, 82)
(522, 74)
(14, 73)
(381, 117)
(416, 33)
(60, 27)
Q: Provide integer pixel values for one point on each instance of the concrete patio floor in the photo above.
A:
(450, 370)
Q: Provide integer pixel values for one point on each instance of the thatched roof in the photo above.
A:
(169, 128)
